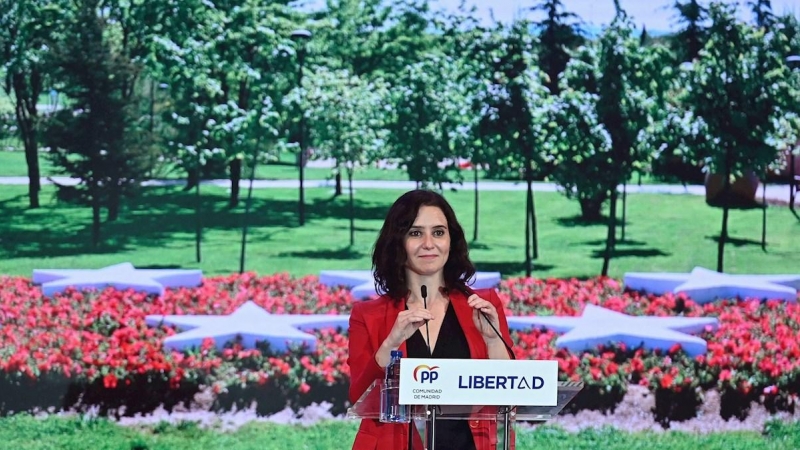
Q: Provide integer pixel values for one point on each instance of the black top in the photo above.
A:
(452, 343)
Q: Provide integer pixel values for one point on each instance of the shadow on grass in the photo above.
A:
(509, 267)
(342, 253)
(160, 266)
(578, 221)
(632, 253)
(619, 242)
(478, 246)
(156, 217)
(737, 242)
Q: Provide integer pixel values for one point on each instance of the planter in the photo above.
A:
(785, 173)
(780, 401)
(742, 192)
(597, 398)
(675, 406)
(735, 403)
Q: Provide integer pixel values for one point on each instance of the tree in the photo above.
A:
(27, 30)
(509, 102)
(373, 39)
(220, 59)
(623, 109)
(559, 31)
(738, 88)
(580, 147)
(762, 11)
(94, 139)
(690, 39)
(422, 119)
(346, 116)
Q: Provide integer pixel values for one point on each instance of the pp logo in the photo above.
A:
(424, 373)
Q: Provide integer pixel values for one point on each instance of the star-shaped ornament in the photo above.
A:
(600, 326)
(120, 276)
(704, 286)
(250, 322)
(362, 284)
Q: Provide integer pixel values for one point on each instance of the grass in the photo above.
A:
(26, 433)
(664, 233)
(12, 164)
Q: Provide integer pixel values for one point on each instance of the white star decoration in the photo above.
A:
(252, 323)
(704, 286)
(598, 326)
(362, 284)
(120, 276)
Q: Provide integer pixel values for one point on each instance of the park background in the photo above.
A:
(263, 142)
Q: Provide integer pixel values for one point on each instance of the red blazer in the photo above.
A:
(370, 324)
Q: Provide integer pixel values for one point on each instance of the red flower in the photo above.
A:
(110, 381)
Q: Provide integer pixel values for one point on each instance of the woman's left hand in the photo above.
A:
(479, 305)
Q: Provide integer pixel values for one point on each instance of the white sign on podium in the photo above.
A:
(428, 381)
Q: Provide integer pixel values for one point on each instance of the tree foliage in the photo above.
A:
(738, 89)
(559, 31)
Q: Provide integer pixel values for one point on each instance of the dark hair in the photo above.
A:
(389, 255)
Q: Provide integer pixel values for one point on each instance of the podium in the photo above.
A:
(368, 407)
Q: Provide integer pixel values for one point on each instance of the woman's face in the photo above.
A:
(427, 242)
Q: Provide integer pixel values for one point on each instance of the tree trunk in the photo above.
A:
(192, 179)
(624, 209)
(93, 191)
(723, 236)
(764, 216)
(612, 231)
(114, 201)
(248, 205)
(352, 208)
(475, 230)
(534, 228)
(34, 174)
(591, 208)
(198, 230)
(528, 264)
(27, 118)
(726, 196)
(530, 219)
(338, 189)
(235, 169)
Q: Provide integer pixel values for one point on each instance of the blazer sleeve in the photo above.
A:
(494, 299)
(361, 355)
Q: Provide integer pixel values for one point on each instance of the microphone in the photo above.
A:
(424, 291)
(467, 292)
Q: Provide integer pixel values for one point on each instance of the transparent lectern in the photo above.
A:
(368, 407)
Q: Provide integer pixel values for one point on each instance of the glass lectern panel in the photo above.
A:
(368, 407)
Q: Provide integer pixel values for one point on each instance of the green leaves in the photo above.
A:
(345, 114)
(739, 88)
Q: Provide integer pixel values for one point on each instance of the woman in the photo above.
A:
(422, 244)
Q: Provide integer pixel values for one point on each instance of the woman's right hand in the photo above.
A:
(406, 324)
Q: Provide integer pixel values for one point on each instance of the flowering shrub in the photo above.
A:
(93, 348)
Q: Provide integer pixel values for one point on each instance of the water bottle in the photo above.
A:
(391, 409)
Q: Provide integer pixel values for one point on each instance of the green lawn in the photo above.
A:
(26, 433)
(12, 164)
(664, 233)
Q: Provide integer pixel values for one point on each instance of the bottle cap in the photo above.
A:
(397, 354)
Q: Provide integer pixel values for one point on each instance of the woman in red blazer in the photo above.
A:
(422, 244)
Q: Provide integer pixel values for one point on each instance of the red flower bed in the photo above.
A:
(93, 348)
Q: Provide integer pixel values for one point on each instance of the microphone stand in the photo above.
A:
(467, 292)
(431, 430)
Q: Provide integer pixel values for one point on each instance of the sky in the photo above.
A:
(655, 14)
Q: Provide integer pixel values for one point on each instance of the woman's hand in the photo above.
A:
(406, 324)
(479, 306)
